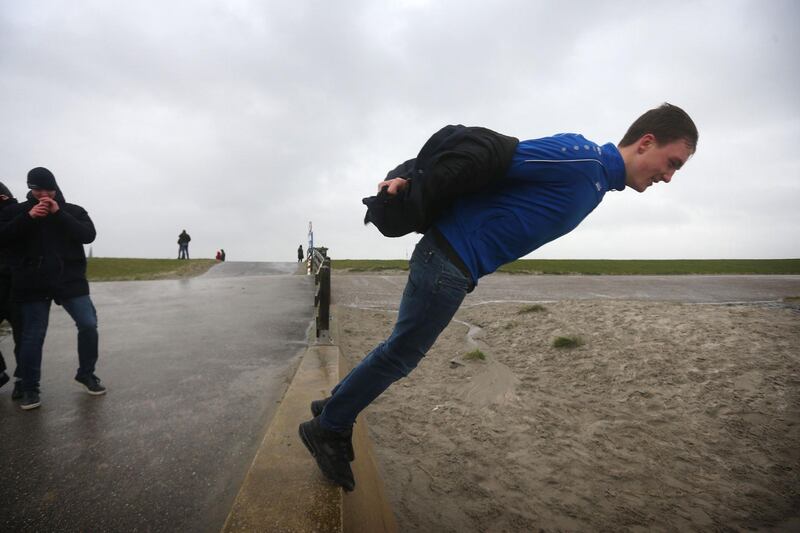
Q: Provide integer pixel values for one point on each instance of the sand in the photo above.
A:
(670, 417)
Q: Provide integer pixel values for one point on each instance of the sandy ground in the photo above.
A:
(670, 417)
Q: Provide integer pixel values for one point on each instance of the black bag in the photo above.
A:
(455, 161)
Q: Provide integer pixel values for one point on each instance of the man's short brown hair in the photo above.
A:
(667, 123)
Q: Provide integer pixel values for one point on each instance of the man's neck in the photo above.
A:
(627, 153)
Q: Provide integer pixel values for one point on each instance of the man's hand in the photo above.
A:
(52, 205)
(40, 210)
(393, 186)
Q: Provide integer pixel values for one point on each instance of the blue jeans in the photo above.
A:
(35, 318)
(433, 294)
(183, 251)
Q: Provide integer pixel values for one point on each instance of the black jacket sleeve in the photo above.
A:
(14, 226)
(403, 170)
(77, 223)
(456, 160)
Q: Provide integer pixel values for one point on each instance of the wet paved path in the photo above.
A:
(194, 369)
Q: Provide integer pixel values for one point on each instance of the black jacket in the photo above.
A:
(46, 255)
(455, 161)
(5, 271)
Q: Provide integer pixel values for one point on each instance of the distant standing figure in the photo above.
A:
(222, 254)
(300, 255)
(183, 245)
(218, 257)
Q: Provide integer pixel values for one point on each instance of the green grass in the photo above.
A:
(567, 342)
(369, 265)
(124, 269)
(612, 267)
(535, 308)
(475, 355)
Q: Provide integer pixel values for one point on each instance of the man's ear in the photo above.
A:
(645, 142)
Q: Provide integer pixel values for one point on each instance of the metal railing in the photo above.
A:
(320, 265)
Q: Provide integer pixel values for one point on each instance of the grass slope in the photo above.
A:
(124, 269)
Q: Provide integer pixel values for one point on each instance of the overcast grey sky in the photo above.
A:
(241, 120)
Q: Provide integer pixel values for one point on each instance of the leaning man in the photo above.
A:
(45, 236)
(543, 189)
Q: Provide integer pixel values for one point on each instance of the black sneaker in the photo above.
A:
(92, 384)
(329, 448)
(16, 394)
(4, 378)
(30, 400)
(316, 409)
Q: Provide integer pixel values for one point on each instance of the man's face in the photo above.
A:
(42, 193)
(654, 162)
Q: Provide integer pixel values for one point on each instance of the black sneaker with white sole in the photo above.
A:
(30, 400)
(330, 449)
(317, 406)
(91, 383)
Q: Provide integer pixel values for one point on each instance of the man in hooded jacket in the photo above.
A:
(45, 236)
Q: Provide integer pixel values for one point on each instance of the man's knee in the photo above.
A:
(83, 313)
(86, 324)
(86, 320)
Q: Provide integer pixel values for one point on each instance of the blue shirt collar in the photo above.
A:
(615, 165)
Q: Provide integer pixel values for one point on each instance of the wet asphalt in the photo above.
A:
(194, 368)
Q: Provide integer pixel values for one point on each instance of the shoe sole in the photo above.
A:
(313, 451)
(84, 387)
(30, 406)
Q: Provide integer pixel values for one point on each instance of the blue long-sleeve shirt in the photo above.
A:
(552, 184)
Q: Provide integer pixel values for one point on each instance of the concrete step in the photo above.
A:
(284, 491)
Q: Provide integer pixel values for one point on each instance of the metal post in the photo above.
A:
(310, 236)
(324, 299)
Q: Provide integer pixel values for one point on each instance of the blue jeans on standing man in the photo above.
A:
(35, 318)
(433, 294)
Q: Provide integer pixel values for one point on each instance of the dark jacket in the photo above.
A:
(184, 238)
(5, 270)
(46, 255)
(455, 161)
